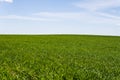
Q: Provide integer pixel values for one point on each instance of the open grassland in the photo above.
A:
(60, 57)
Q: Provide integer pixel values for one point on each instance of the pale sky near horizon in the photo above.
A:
(99, 17)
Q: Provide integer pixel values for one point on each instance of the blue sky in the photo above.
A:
(101, 17)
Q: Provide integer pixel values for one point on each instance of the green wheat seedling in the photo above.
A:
(59, 57)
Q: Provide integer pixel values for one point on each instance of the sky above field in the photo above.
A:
(60, 17)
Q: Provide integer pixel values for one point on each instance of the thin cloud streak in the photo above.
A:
(109, 16)
(8, 1)
(64, 15)
(97, 7)
(94, 5)
(87, 17)
(15, 17)
(67, 16)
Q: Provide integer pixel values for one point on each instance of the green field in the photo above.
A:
(59, 57)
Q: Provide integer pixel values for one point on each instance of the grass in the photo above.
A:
(59, 57)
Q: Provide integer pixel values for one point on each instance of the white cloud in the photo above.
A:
(15, 17)
(84, 17)
(81, 17)
(109, 16)
(93, 5)
(9, 1)
(60, 15)
(96, 8)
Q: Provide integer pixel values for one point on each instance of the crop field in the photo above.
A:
(59, 57)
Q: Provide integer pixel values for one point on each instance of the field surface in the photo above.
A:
(59, 57)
